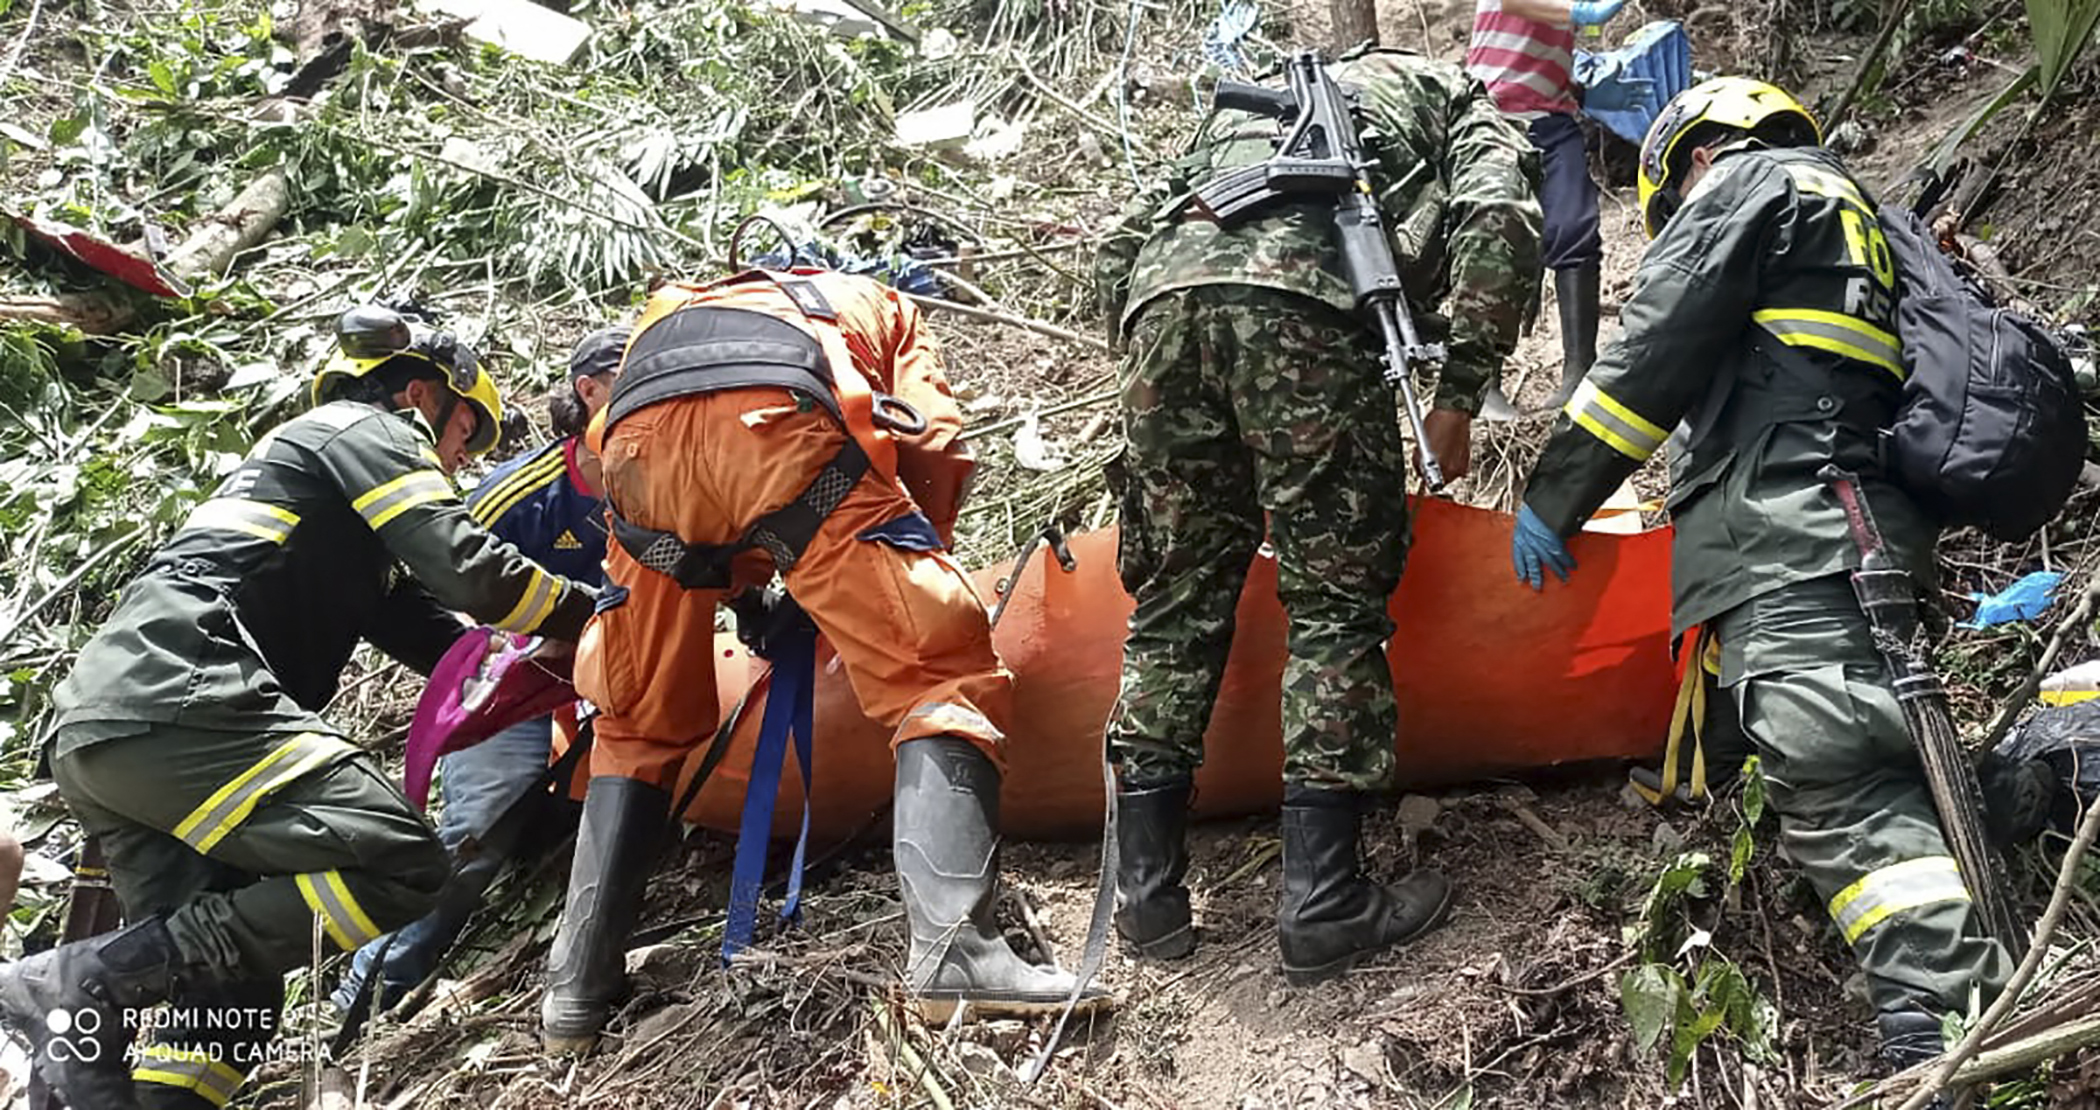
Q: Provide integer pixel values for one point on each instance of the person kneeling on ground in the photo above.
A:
(188, 736)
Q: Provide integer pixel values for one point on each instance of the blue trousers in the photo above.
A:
(1567, 194)
(476, 786)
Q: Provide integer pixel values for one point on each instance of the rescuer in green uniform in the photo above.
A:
(1765, 243)
(188, 735)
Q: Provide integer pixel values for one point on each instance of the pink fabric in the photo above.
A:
(475, 693)
(1527, 66)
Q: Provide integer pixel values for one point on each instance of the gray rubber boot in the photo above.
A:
(946, 845)
(616, 849)
(77, 994)
(1332, 915)
(1579, 293)
(1152, 860)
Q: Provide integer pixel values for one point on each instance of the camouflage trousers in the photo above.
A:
(1240, 401)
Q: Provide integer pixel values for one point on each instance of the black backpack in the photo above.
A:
(1991, 430)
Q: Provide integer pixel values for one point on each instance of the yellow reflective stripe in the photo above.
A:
(423, 497)
(1893, 889)
(517, 486)
(190, 1070)
(240, 514)
(534, 604)
(1825, 184)
(383, 503)
(1621, 428)
(1834, 332)
(340, 914)
(430, 456)
(231, 804)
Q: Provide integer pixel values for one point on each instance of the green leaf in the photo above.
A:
(1650, 995)
(1943, 154)
(1740, 851)
(65, 129)
(1753, 791)
(1685, 1041)
(163, 76)
(2062, 28)
(149, 385)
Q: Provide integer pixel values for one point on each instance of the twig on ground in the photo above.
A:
(1038, 326)
(2066, 879)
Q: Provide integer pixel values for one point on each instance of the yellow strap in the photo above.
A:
(1690, 711)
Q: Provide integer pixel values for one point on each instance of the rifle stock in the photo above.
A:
(1322, 155)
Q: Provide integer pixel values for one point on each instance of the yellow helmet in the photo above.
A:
(369, 336)
(1735, 103)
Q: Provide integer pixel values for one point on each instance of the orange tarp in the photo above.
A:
(1491, 677)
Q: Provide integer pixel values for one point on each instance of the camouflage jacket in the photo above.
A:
(1455, 186)
(339, 526)
(1763, 319)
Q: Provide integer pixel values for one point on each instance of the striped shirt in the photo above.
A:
(1526, 65)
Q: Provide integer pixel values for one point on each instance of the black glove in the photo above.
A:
(769, 619)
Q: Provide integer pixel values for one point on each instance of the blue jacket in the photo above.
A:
(538, 502)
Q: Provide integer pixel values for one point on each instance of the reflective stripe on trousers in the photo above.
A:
(191, 1070)
(1891, 890)
(231, 804)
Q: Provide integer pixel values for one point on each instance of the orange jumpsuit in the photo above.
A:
(909, 627)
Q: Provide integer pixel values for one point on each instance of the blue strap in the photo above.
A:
(788, 712)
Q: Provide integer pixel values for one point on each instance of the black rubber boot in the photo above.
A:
(2017, 797)
(77, 994)
(1332, 915)
(1152, 859)
(616, 850)
(1579, 293)
(1911, 1037)
(946, 845)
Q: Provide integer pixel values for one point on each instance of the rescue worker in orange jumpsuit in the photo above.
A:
(801, 416)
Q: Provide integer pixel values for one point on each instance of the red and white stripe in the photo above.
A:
(1526, 65)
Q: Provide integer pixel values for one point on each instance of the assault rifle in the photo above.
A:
(1323, 155)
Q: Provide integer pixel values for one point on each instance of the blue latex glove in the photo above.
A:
(1588, 12)
(1535, 546)
(2024, 600)
(1608, 88)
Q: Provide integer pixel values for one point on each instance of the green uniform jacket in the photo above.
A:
(1454, 184)
(1762, 317)
(338, 526)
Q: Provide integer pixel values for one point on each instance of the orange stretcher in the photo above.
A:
(1492, 679)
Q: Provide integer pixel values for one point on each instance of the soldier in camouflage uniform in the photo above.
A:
(189, 737)
(1251, 389)
(1762, 316)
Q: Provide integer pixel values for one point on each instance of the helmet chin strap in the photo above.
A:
(447, 405)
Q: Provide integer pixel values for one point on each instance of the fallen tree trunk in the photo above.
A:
(91, 313)
(217, 240)
(221, 236)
